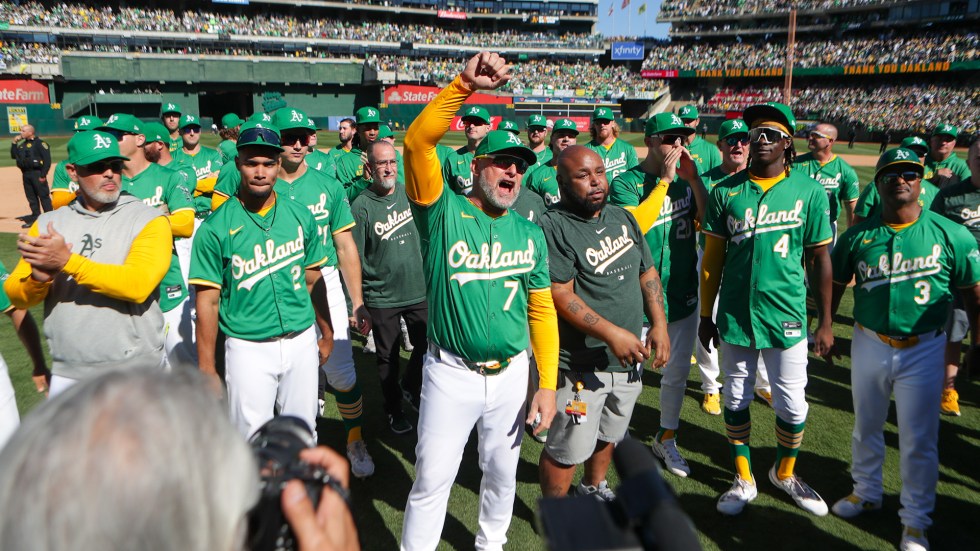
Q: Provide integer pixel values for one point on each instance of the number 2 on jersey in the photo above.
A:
(297, 272)
(782, 246)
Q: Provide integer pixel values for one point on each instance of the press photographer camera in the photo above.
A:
(644, 516)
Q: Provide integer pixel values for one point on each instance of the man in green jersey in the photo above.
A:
(204, 161)
(906, 263)
(62, 188)
(170, 116)
(836, 176)
(704, 154)
(317, 159)
(537, 134)
(616, 154)
(943, 166)
(345, 138)
(456, 168)
(869, 202)
(350, 166)
(543, 179)
(230, 125)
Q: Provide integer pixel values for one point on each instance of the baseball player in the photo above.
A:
(62, 188)
(869, 202)
(487, 286)
(394, 288)
(230, 124)
(229, 178)
(601, 271)
(256, 266)
(204, 161)
(943, 165)
(510, 126)
(960, 203)
(837, 177)
(318, 160)
(760, 225)
(170, 116)
(617, 155)
(537, 134)
(542, 180)
(705, 155)
(350, 166)
(904, 261)
(163, 189)
(668, 199)
(456, 170)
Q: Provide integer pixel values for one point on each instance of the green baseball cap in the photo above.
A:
(122, 122)
(169, 108)
(603, 113)
(537, 120)
(384, 131)
(502, 141)
(947, 129)
(260, 116)
(688, 113)
(188, 120)
(898, 156)
(156, 132)
(85, 148)
(231, 120)
(366, 115)
(732, 127)
(87, 122)
(915, 141)
(310, 123)
(662, 123)
(259, 134)
(289, 118)
(567, 125)
(509, 126)
(476, 112)
(770, 111)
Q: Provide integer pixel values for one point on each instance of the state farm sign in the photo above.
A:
(23, 91)
(406, 93)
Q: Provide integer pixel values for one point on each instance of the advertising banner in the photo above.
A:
(23, 91)
(627, 51)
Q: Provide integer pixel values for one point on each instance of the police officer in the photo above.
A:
(33, 159)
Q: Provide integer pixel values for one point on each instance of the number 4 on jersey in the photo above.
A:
(782, 246)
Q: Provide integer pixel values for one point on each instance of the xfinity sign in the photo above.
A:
(627, 51)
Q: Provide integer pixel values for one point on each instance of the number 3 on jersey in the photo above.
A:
(923, 288)
(782, 246)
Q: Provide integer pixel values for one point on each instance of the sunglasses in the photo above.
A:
(732, 141)
(504, 162)
(772, 135)
(815, 134)
(892, 177)
(99, 167)
(291, 138)
(671, 138)
(258, 135)
(117, 134)
(190, 130)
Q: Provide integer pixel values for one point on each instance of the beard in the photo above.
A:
(490, 192)
(386, 184)
(152, 155)
(103, 197)
(583, 205)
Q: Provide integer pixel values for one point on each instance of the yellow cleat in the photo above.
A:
(711, 404)
(765, 395)
(950, 404)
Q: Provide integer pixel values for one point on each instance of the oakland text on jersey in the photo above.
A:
(394, 222)
(489, 258)
(614, 164)
(830, 183)
(970, 217)
(899, 269)
(274, 258)
(156, 199)
(319, 209)
(202, 171)
(765, 222)
(609, 250)
(675, 208)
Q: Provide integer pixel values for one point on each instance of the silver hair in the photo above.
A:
(129, 459)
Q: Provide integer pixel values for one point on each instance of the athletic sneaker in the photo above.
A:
(398, 424)
(711, 404)
(852, 506)
(667, 452)
(413, 402)
(369, 347)
(600, 492)
(765, 395)
(913, 539)
(361, 464)
(737, 497)
(950, 404)
(406, 341)
(804, 496)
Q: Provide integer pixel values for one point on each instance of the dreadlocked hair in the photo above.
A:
(789, 157)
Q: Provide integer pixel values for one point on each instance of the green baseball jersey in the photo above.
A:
(456, 171)
(672, 240)
(353, 189)
(762, 302)
(228, 180)
(321, 161)
(544, 182)
(961, 204)
(158, 187)
(61, 181)
(259, 263)
(325, 199)
(710, 179)
(706, 155)
(349, 166)
(228, 150)
(204, 162)
(529, 205)
(617, 158)
(5, 305)
(391, 254)
(869, 202)
(176, 143)
(903, 278)
(544, 156)
(336, 152)
(961, 171)
(443, 152)
(605, 257)
(837, 177)
(478, 273)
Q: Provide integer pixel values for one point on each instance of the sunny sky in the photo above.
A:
(627, 22)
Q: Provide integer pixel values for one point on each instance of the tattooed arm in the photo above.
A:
(653, 304)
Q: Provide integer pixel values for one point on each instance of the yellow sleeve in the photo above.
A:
(543, 322)
(23, 290)
(423, 172)
(136, 278)
(60, 198)
(182, 223)
(648, 210)
(205, 185)
(711, 264)
(217, 200)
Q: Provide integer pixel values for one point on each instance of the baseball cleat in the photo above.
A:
(667, 452)
(600, 492)
(737, 497)
(361, 464)
(950, 404)
(765, 395)
(406, 341)
(852, 506)
(711, 404)
(913, 539)
(369, 347)
(801, 492)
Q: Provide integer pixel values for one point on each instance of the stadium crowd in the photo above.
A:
(713, 8)
(29, 52)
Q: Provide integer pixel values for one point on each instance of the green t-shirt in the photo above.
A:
(325, 199)
(456, 171)
(837, 177)
(61, 180)
(672, 240)
(869, 201)
(391, 257)
(762, 302)
(228, 150)
(544, 182)
(619, 157)
(260, 264)
(706, 155)
(961, 204)
(605, 257)
(903, 279)
(478, 274)
(961, 171)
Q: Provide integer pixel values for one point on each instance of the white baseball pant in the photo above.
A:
(915, 375)
(59, 384)
(180, 341)
(9, 417)
(271, 377)
(673, 381)
(339, 367)
(787, 371)
(454, 399)
(183, 249)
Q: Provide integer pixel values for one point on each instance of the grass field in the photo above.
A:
(772, 520)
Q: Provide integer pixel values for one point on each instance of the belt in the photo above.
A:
(488, 368)
(282, 337)
(900, 341)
